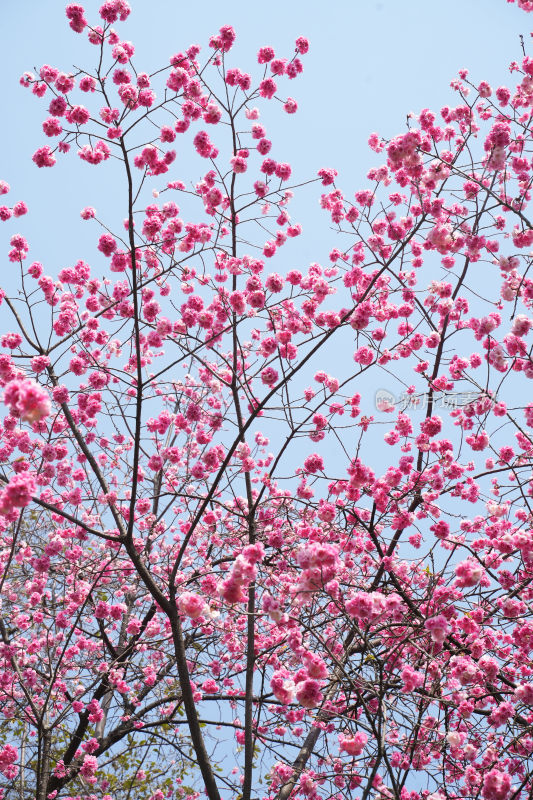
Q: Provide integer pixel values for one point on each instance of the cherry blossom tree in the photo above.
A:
(266, 529)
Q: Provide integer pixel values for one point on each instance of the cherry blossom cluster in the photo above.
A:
(208, 533)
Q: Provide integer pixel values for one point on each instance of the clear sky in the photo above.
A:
(371, 62)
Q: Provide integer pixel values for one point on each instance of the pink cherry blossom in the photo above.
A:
(259, 499)
(353, 745)
(27, 400)
(308, 693)
(192, 605)
(437, 626)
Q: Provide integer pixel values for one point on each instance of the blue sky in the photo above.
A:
(371, 62)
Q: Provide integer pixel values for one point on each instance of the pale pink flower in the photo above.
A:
(353, 745)
(27, 400)
(192, 605)
(308, 693)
